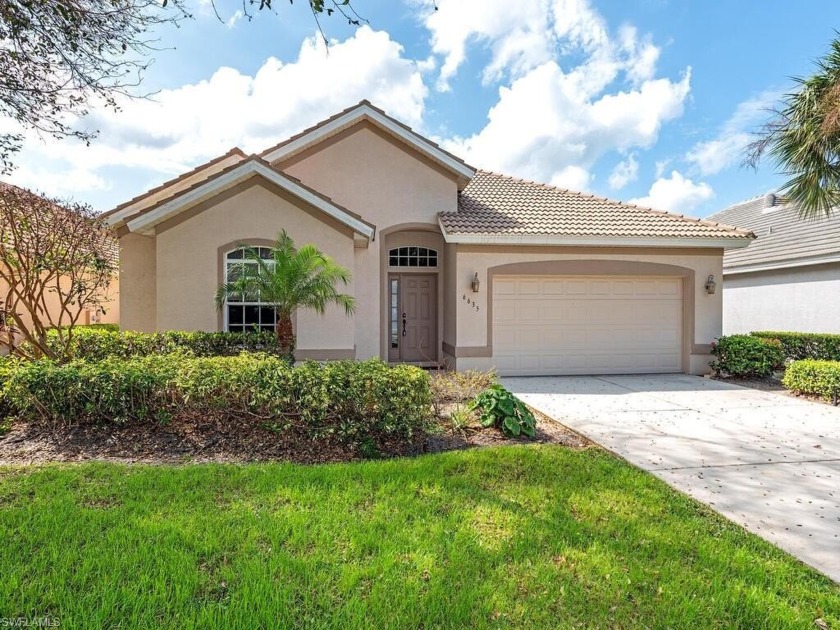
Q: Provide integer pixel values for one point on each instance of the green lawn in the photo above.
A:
(532, 536)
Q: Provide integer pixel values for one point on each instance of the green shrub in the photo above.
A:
(810, 376)
(501, 408)
(106, 327)
(797, 346)
(7, 364)
(100, 343)
(744, 356)
(347, 398)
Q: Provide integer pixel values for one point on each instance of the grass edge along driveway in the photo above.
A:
(528, 536)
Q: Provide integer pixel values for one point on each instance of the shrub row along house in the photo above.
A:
(449, 263)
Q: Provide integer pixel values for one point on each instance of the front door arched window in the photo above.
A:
(247, 313)
(412, 257)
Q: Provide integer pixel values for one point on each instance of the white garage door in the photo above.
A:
(550, 325)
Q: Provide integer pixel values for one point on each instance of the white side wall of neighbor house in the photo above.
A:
(800, 299)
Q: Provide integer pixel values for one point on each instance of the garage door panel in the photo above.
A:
(581, 325)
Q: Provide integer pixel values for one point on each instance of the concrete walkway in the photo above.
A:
(766, 461)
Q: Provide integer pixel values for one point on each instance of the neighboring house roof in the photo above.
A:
(366, 111)
(145, 221)
(110, 244)
(496, 208)
(783, 238)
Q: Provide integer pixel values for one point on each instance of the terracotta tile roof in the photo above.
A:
(111, 246)
(175, 180)
(496, 204)
(783, 237)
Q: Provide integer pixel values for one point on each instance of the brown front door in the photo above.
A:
(416, 318)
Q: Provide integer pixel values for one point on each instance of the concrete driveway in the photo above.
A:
(766, 461)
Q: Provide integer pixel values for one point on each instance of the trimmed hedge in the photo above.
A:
(351, 399)
(810, 376)
(97, 344)
(797, 346)
(744, 356)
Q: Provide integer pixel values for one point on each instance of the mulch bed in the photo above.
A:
(204, 439)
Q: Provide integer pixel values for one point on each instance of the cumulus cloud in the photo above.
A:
(727, 148)
(624, 172)
(578, 95)
(518, 39)
(193, 123)
(675, 194)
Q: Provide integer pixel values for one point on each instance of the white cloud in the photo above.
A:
(675, 194)
(579, 94)
(233, 19)
(543, 123)
(190, 124)
(624, 172)
(727, 149)
(518, 37)
(572, 177)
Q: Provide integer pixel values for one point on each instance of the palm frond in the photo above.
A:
(803, 139)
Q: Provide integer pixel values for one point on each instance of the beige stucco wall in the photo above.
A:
(472, 326)
(188, 261)
(138, 283)
(802, 299)
(388, 186)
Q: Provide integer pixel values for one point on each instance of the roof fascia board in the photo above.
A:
(360, 113)
(146, 223)
(782, 264)
(591, 241)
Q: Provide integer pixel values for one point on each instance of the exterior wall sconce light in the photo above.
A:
(476, 283)
(711, 285)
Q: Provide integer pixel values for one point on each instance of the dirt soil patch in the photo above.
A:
(204, 439)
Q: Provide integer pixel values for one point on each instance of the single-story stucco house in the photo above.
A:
(450, 264)
(789, 278)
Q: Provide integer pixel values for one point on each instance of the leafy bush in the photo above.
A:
(106, 327)
(501, 408)
(95, 344)
(797, 346)
(745, 355)
(810, 376)
(347, 398)
(7, 364)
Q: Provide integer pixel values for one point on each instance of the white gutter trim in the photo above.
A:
(592, 241)
(782, 264)
(359, 113)
(146, 223)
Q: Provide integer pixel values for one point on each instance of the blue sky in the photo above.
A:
(651, 100)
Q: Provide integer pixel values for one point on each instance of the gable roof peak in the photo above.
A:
(366, 111)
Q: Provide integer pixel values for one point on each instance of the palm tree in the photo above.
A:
(290, 279)
(803, 138)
